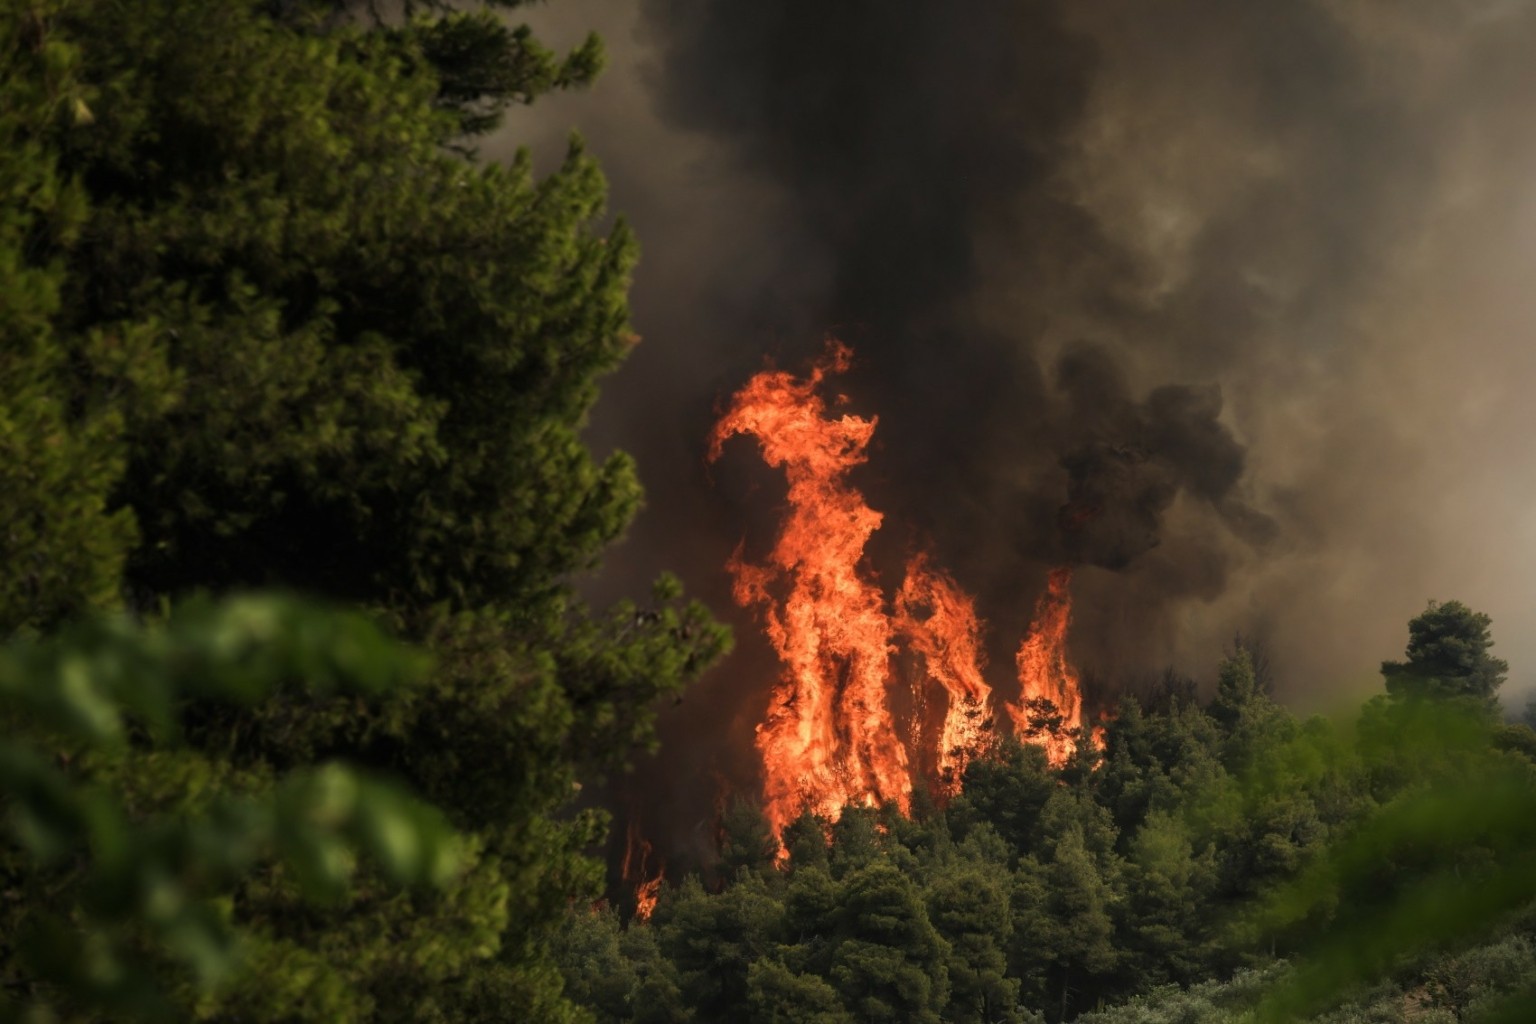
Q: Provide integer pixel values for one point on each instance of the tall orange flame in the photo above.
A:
(939, 622)
(1050, 706)
(829, 738)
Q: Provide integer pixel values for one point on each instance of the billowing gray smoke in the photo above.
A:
(1227, 302)
(1137, 460)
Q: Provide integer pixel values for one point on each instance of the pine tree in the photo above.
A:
(889, 963)
(777, 995)
(747, 842)
(1008, 790)
(273, 326)
(62, 543)
(968, 905)
(1448, 656)
(715, 939)
(1077, 928)
(805, 839)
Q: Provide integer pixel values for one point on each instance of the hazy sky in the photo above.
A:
(1284, 251)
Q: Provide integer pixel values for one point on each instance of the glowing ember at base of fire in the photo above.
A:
(647, 889)
(646, 894)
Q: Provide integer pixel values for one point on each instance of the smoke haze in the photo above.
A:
(1227, 302)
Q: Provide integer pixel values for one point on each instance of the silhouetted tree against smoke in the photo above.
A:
(1448, 656)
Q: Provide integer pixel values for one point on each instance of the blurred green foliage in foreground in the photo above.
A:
(125, 847)
(1442, 857)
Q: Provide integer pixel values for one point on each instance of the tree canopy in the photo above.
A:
(127, 855)
(1448, 656)
(268, 322)
(1219, 860)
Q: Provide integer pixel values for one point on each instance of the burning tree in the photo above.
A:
(1050, 703)
(830, 737)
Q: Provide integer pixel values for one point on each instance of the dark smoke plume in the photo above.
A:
(1228, 301)
(923, 148)
(1142, 455)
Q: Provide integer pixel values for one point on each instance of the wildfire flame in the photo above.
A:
(829, 738)
(939, 621)
(647, 889)
(1050, 705)
(646, 894)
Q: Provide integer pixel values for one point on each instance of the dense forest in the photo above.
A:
(270, 327)
(1209, 838)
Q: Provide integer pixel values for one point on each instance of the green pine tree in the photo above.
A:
(267, 323)
(1448, 656)
(889, 963)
